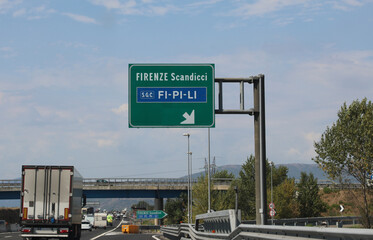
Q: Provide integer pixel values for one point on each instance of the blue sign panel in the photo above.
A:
(147, 216)
(171, 94)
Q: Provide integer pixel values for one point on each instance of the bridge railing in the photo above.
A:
(134, 181)
(6, 185)
(11, 185)
(250, 231)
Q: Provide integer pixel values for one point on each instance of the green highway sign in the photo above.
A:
(171, 95)
(152, 214)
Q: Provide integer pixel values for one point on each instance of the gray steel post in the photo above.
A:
(188, 153)
(263, 151)
(208, 175)
(191, 186)
(257, 154)
(236, 202)
(271, 163)
(260, 152)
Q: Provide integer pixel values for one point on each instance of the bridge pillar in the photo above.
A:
(158, 205)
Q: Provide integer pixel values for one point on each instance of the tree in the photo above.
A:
(246, 185)
(285, 199)
(176, 208)
(246, 189)
(225, 199)
(310, 203)
(142, 205)
(220, 200)
(346, 148)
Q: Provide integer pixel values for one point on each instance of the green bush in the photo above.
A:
(327, 190)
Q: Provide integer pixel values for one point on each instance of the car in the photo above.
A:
(103, 182)
(86, 225)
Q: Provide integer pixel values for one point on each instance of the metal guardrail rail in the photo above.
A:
(312, 221)
(249, 231)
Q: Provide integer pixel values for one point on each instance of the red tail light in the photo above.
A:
(26, 230)
(64, 230)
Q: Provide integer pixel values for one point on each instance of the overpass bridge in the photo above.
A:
(122, 187)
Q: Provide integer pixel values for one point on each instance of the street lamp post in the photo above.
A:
(271, 163)
(191, 187)
(188, 135)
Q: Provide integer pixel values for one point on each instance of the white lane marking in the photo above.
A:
(114, 234)
(7, 236)
(156, 238)
(112, 230)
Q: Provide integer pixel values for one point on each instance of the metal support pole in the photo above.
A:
(191, 187)
(188, 135)
(236, 202)
(263, 157)
(271, 186)
(208, 175)
(260, 155)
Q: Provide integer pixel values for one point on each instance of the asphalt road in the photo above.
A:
(110, 233)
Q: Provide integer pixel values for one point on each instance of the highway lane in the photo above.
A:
(110, 233)
(97, 234)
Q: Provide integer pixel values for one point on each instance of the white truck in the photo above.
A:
(51, 201)
(100, 220)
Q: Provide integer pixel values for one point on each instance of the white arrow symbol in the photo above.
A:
(189, 119)
(342, 208)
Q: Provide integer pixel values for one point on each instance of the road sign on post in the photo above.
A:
(151, 214)
(171, 95)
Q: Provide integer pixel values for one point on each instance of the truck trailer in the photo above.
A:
(51, 202)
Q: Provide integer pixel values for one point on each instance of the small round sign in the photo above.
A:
(271, 205)
(272, 213)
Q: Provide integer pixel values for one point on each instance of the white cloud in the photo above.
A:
(38, 13)
(339, 70)
(7, 52)
(6, 5)
(109, 4)
(131, 7)
(121, 109)
(80, 18)
(293, 151)
(204, 3)
(127, 8)
(262, 7)
(160, 10)
(312, 136)
(105, 143)
(19, 12)
(346, 5)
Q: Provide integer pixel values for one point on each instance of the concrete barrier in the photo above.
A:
(2, 226)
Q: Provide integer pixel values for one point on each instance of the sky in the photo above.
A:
(64, 78)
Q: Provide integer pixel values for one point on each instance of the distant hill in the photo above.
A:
(296, 168)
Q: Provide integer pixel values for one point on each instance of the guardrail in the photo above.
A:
(312, 221)
(249, 231)
(220, 222)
